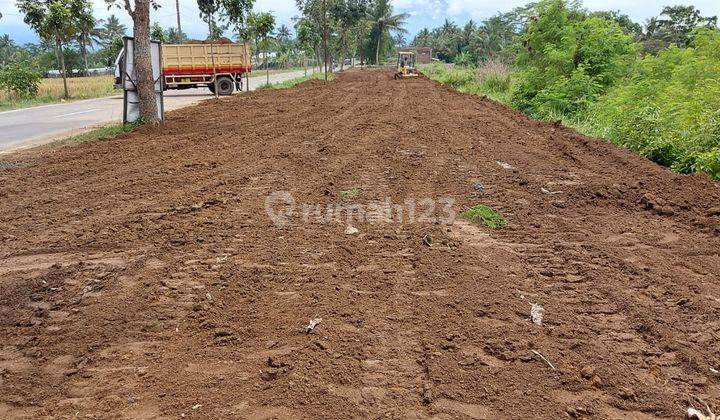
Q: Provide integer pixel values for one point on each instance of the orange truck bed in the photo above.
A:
(190, 60)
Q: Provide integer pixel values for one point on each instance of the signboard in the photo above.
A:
(131, 109)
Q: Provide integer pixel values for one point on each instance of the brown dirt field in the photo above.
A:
(142, 278)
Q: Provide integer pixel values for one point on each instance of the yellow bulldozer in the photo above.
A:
(406, 65)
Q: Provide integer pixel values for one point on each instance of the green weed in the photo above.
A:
(351, 193)
(485, 215)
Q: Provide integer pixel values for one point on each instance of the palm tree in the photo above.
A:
(7, 49)
(283, 34)
(85, 26)
(109, 30)
(385, 22)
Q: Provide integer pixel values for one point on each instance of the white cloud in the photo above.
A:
(423, 13)
(190, 20)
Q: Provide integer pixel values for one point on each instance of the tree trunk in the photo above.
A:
(257, 52)
(325, 38)
(143, 62)
(267, 70)
(84, 54)
(247, 74)
(61, 60)
(377, 50)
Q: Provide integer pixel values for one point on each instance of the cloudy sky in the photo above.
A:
(424, 13)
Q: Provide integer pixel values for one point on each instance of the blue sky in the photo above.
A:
(424, 13)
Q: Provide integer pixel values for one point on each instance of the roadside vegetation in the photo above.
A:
(653, 89)
(99, 133)
(293, 82)
(50, 90)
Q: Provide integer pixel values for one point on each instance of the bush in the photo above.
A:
(568, 60)
(669, 110)
(709, 162)
(20, 79)
(494, 76)
(463, 59)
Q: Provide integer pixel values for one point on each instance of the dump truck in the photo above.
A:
(186, 66)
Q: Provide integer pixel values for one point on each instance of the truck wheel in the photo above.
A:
(225, 86)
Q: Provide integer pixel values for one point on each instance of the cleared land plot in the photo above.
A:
(142, 277)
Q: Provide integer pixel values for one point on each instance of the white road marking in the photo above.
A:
(77, 113)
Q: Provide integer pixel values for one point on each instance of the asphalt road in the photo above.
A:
(29, 127)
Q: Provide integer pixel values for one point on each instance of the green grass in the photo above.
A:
(99, 133)
(492, 79)
(352, 192)
(293, 82)
(484, 215)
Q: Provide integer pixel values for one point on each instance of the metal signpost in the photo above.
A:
(131, 110)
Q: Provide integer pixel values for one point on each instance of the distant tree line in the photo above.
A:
(495, 38)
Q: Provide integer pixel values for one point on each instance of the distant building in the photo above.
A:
(423, 55)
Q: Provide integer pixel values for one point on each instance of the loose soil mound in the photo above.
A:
(142, 277)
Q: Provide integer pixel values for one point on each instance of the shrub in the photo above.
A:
(568, 59)
(463, 59)
(20, 79)
(669, 110)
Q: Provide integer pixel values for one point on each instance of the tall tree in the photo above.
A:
(7, 50)
(309, 37)
(53, 20)
(263, 24)
(157, 32)
(139, 11)
(350, 23)
(108, 35)
(109, 30)
(174, 36)
(675, 25)
(316, 11)
(85, 28)
(236, 13)
(283, 34)
(210, 12)
(283, 43)
(384, 22)
(624, 21)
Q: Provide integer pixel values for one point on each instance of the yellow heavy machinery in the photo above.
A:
(406, 65)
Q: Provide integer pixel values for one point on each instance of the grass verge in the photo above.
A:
(484, 215)
(99, 133)
(296, 81)
(492, 79)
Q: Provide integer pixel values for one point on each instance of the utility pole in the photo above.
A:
(177, 9)
(212, 55)
(325, 37)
